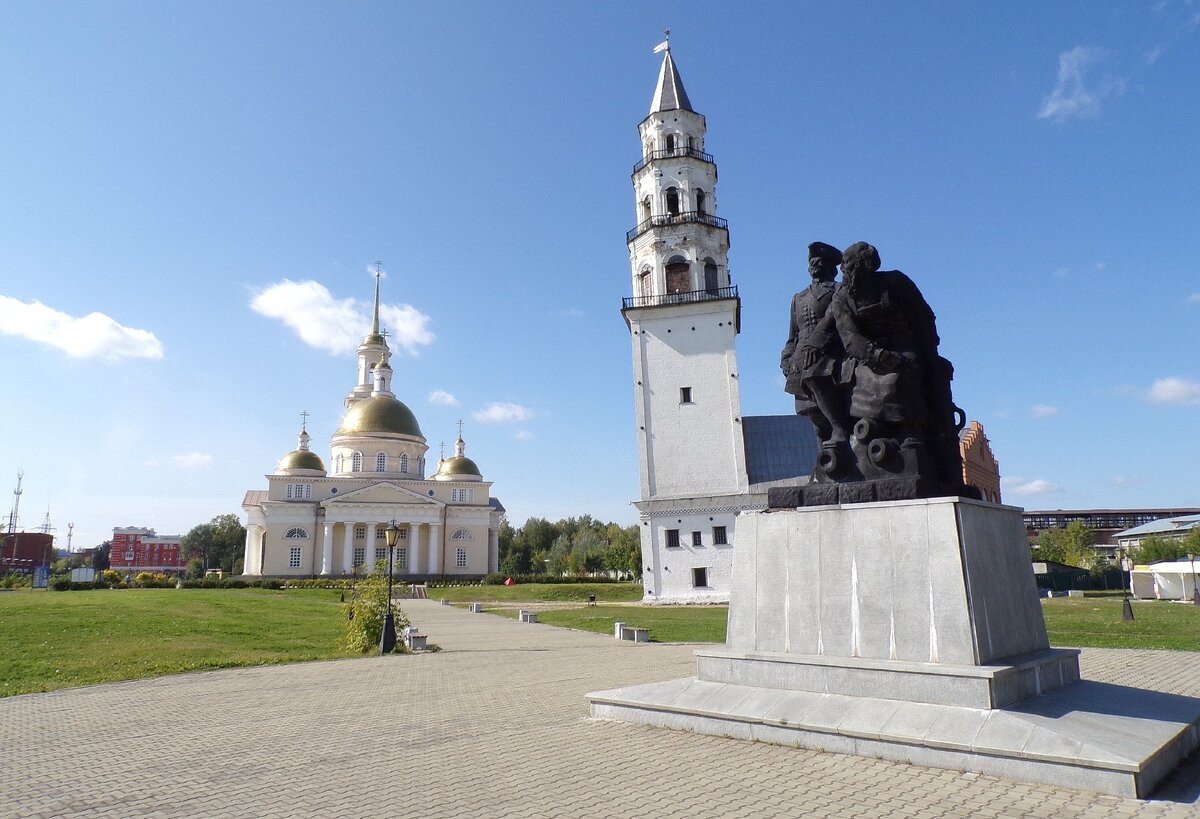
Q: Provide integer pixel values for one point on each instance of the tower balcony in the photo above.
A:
(686, 217)
(670, 153)
(689, 297)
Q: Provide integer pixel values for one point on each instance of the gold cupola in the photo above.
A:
(458, 467)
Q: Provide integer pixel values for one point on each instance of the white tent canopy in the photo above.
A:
(1171, 580)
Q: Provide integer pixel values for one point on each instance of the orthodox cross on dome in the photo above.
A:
(460, 426)
(304, 421)
(441, 450)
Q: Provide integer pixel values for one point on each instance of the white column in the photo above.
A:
(348, 548)
(493, 564)
(250, 558)
(327, 550)
(435, 546)
(371, 556)
(416, 542)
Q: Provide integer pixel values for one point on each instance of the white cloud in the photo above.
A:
(501, 413)
(570, 312)
(1038, 486)
(337, 326)
(442, 398)
(1153, 54)
(1194, 298)
(191, 460)
(1122, 481)
(92, 336)
(523, 435)
(1043, 411)
(1071, 96)
(1179, 392)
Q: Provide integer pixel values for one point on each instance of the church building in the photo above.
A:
(311, 521)
(701, 461)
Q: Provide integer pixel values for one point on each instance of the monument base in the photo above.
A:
(1105, 738)
(910, 631)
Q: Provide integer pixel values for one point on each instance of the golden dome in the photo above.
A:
(458, 468)
(300, 459)
(380, 413)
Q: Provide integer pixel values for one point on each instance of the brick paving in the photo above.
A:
(495, 725)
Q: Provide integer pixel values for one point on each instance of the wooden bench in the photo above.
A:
(527, 616)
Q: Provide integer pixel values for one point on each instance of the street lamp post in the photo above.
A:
(387, 641)
(1127, 608)
(1195, 590)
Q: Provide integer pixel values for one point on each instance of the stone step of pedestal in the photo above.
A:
(1090, 735)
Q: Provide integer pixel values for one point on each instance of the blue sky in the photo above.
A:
(192, 195)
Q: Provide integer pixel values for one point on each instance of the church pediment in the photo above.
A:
(381, 493)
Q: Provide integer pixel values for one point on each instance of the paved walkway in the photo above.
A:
(495, 725)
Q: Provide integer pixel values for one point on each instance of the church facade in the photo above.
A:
(311, 521)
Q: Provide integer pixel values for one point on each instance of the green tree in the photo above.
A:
(219, 544)
(1157, 548)
(100, 556)
(1071, 546)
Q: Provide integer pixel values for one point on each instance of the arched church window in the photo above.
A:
(296, 533)
(700, 204)
(646, 209)
(679, 275)
(381, 462)
(671, 143)
(356, 462)
(673, 201)
(710, 276)
(461, 534)
(643, 282)
(404, 462)
(691, 143)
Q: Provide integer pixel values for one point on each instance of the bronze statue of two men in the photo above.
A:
(862, 361)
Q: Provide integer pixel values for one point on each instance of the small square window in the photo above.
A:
(696, 539)
(700, 577)
(294, 558)
(402, 557)
(460, 558)
(360, 555)
(672, 538)
(685, 395)
(719, 538)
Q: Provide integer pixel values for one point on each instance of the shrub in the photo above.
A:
(364, 615)
(60, 582)
(153, 580)
(16, 580)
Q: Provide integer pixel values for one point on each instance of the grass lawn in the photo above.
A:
(1096, 622)
(61, 639)
(541, 592)
(667, 624)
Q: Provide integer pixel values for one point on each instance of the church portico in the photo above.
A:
(311, 522)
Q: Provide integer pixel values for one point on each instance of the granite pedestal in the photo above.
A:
(911, 631)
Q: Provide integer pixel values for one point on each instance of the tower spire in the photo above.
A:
(669, 94)
(375, 317)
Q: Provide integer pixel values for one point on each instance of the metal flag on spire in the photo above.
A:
(665, 44)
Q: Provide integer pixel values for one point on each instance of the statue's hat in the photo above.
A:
(820, 250)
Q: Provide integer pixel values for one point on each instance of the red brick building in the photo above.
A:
(980, 468)
(141, 550)
(22, 551)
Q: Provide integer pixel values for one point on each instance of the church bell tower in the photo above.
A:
(684, 314)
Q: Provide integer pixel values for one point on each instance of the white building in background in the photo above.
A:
(701, 461)
(309, 521)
